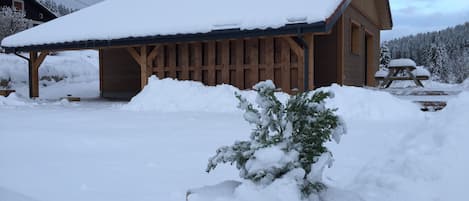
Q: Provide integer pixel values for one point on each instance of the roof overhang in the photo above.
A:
(386, 18)
(290, 29)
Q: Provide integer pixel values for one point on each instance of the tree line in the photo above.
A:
(444, 53)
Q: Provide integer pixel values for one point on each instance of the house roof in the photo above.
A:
(123, 22)
(45, 8)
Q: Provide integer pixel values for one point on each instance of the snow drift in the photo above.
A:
(169, 95)
(79, 66)
(363, 103)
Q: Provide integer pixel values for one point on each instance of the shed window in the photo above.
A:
(18, 5)
(355, 39)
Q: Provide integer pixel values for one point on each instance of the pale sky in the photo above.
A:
(415, 16)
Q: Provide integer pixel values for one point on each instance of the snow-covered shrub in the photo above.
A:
(287, 139)
(12, 22)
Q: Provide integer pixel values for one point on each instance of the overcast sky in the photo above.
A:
(409, 16)
(415, 16)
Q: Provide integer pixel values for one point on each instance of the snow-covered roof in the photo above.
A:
(117, 19)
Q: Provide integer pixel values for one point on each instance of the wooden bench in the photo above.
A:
(431, 106)
(6, 93)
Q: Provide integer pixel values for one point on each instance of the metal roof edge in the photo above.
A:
(212, 35)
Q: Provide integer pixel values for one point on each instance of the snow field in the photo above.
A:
(156, 147)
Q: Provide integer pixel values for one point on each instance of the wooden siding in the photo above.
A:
(356, 72)
(120, 74)
(327, 58)
(241, 63)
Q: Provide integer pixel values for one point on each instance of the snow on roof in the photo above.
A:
(117, 19)
(402, 62)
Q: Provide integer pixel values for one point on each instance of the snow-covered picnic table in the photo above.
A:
(402, 69)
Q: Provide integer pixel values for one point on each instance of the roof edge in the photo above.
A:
(212, 35)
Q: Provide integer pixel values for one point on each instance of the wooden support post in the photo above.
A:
(225, 60)
(309, 38)
(144, 67)
(298, 49)
(160, 63)
(197, 61)
(211, 63)
(184, 61)
(254, 62)
(142, 59)
(172, 60)
(240, 64)
(101, 72)
(286, 66)
(35, 62)
(269, 59)
(340, 51)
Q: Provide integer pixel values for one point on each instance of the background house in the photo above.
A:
(34, 10)
(298, 47)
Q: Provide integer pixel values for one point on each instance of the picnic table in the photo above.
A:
(401, 70)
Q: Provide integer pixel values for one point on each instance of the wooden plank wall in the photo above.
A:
(241, 62)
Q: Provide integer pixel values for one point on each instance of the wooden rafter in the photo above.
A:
(133, 52)
(153, 54)
(299, 51)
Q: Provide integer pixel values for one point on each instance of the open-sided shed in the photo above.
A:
(299, 44)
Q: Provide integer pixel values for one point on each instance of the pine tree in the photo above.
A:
(12, 22)
(299, 129)
(385, 55)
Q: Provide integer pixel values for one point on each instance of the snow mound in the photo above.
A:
(71, 65)
(13, 100)
(421, 71)
(355, 102)
(382, 72)
(402, 62)
(169, 95)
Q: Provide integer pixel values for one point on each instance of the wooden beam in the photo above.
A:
(309, 38)
(340, 51)
(40, 58)
(35, 62)
(197, 61)
(253, 48)
(184, 55)
(299, 51)
(101, 71)
(211, 63)
(286, 66)
(144, 67)
(225, 60)
(133, 52)
(153, 54)
(269, 59)
(239, 43)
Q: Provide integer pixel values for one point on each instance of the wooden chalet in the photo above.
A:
(299, 55)
(34, 10)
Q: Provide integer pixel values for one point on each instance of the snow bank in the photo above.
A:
(13, 100)
(169, 95)
(360, 103)
(80, 65)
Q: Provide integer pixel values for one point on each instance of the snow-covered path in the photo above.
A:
(158, 146)
(93, 151)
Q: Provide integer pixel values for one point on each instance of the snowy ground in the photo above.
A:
(96, 150)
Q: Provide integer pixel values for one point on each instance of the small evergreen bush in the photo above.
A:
(286, 138)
